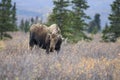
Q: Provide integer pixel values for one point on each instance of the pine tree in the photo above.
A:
(68, 25)
(2, 19)
(106, 30)
(22, 25)
(32, 20)
(14, 16)
(94, 25)
(59, 14)
(5, 17)
(114, 18)
(79, 6)
(97, 21)
(1, 25)
(26, 27)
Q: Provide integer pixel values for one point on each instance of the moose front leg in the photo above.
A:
(47, 49)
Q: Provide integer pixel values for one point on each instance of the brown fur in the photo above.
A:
(56, 36)
(40, 35)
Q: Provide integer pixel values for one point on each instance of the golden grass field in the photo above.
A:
(92, 60)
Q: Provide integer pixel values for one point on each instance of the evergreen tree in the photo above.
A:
(114, 18)
(1, 25)
(79, 6)
(5, 17)
(70, 21)
(94, 25)
(59, 14)
(14, 16)
(32, 20)
(26, 26)
(68, 25)
(106, 28)
(97, 21)
(107, 35)
(22, 25)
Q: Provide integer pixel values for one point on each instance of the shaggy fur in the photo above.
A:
(39, 36)
(54, 28)
(42, 36)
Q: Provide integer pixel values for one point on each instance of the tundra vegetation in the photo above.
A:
(93, 60)
(98, 59)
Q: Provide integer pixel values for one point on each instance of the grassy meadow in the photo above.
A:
(92, 60)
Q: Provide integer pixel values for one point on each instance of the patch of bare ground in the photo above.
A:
(92, 60)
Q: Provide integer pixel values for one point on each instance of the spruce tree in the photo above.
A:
(14, 18)
(26, 26)
(105, 31)
(6, 23)
(8, 16)
(79, 6)
(95, 26)
(22, 25)
(97, 21)
(114, 18)
(32, 20)
(1, 25)
(2, 19)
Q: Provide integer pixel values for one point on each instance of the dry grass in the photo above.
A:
(82, 61)
(2, 45)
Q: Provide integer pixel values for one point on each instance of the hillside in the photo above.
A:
(82, 61)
